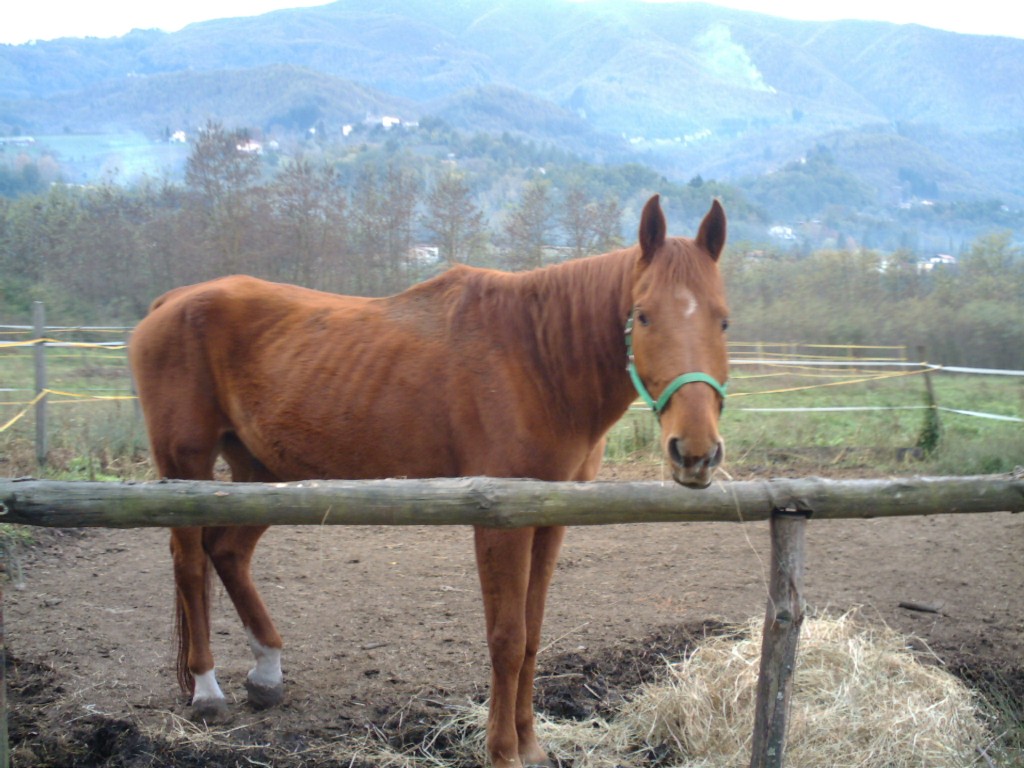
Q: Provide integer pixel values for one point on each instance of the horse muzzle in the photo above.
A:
(694, 469)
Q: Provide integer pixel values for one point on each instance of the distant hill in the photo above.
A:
(273, 96)
(686, 87)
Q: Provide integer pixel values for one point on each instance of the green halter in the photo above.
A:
(687, 378)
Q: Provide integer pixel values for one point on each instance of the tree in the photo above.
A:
(368, 224)
(454, 218)
(310, 227)
(994, 269)
(218, 166)
(221, 172)
(22, 177)
(401, 191)
(526, 227)
(608, 226)
(591, 227)
(41, 243)
(383, 209)
(112, 273)
(577, 219)
(901, 275)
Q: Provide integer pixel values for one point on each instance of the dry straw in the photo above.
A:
(861, 699)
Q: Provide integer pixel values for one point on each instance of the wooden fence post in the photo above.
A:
(137, 406)
(929, 389)
(931, 431)
(39, 324)
(782, 622)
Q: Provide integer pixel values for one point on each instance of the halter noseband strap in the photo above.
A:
(687, 378)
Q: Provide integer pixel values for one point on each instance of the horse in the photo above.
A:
(473, 372)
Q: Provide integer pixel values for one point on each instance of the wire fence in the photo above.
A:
(805, 369)
(843, 370)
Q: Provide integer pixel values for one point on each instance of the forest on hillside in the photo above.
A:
(385, 218)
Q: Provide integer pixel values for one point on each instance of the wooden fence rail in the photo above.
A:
(498, 503)
(788, 504)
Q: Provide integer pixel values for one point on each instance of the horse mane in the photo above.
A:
(542, 305)
(558, 311)
(563, 322)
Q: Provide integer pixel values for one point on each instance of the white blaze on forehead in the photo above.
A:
(686, 297)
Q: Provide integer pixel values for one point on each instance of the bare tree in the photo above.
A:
(608, 226)
(220, 165)
(366, 204)
(577, 220)
(401, 191)
(591, 227)
(527, 226)
(383, 211)
(308, 209)
(221, 172)
(454, 218)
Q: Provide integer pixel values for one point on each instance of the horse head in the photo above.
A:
(676, 340)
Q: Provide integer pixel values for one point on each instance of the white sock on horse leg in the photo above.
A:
(267, 671)
(206, 687)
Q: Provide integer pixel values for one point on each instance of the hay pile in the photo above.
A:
(861, 699)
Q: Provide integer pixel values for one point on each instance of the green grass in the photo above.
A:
(853, 441)
(92, 439)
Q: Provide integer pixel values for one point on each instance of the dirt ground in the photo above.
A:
(384, 629)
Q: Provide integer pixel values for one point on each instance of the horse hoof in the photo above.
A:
(264, 696)
(211, 712)
(537, 759)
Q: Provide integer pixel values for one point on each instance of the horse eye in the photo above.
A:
(642, 319)
(725, 325)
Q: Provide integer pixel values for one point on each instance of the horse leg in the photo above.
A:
(195, 659)
(230, 550)
(186, 450)
(503, 564)
(547, 543)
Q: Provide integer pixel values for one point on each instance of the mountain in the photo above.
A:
(688, 88)
(275, 95)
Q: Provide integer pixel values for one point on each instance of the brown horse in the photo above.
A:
(475, 372)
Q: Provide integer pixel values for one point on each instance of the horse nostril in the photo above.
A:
(718, 456)
(676, 453)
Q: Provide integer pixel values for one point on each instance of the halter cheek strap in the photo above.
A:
(687, 378)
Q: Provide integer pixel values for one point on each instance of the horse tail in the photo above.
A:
(186, 680)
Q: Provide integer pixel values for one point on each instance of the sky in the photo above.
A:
(27, 20)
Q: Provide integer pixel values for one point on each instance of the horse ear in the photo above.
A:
(652, 228)
(711, 236)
